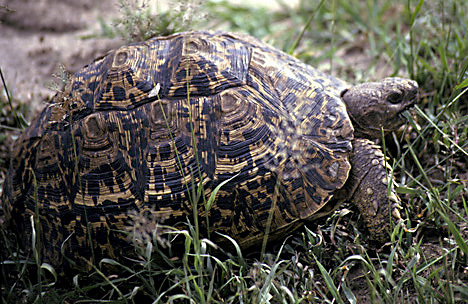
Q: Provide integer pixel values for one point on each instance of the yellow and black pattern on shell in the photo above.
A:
(137, 129)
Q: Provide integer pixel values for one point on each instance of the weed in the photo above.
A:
(142, 19)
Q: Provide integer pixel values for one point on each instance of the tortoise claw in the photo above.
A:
(396, 213)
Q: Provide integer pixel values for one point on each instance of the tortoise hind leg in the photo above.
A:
(367, 188)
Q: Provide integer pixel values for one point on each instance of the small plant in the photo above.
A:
(143, 19)
(12, 121)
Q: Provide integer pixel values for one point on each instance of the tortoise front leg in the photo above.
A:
(367, 188)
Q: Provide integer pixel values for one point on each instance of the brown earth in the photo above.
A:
(38, 36)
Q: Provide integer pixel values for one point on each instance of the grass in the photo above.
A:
(140, 20)
(331, 260)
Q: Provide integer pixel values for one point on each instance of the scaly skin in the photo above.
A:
(367, 187)
(373, 107)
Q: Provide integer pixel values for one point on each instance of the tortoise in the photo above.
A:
(140, 129)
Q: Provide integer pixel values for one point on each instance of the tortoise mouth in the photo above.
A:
(392, 124)
(411, 99)
(406, 110)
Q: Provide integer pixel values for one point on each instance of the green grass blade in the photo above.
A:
(329, 281)
(455, 232)
(212, 197)
(264, 294)
(446, 136)
(349, 294)
(416, 11)
(462, 84)
(304, 28)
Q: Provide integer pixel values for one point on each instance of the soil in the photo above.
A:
(37, 37)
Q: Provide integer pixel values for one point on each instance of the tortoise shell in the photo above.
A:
(141, 128)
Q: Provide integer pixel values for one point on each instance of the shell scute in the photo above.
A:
(136, 130)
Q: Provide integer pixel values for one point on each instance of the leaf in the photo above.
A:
(416, 11)
(407, 190)
(155, 91)
(240, 258)
(329, 281)
(349, 294)
(462, 84)
(264, 295)
(115, 263)
(50, 269)
(212, 198)
(455, 192)
(455, 232)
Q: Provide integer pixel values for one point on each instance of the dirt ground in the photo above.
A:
(38, 36)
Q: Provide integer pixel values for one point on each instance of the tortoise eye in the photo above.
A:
(395, 98)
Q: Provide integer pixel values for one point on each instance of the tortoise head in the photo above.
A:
(373, 106)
